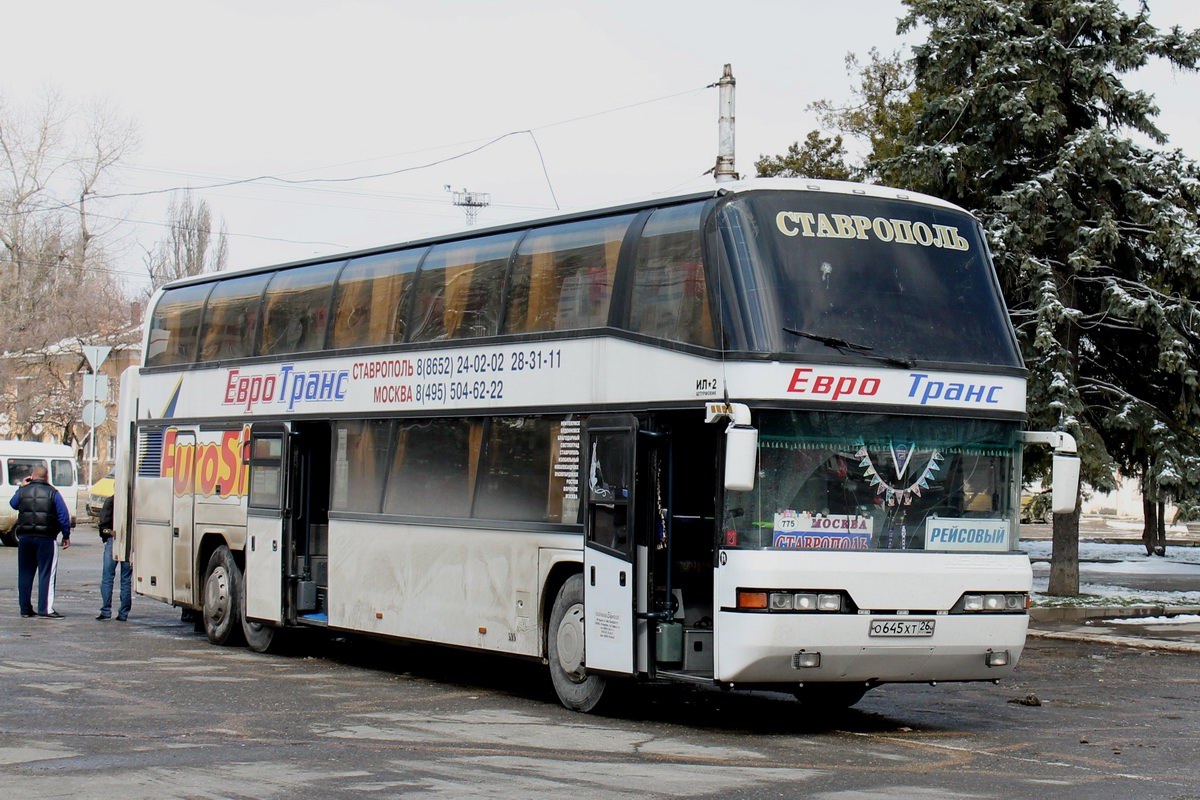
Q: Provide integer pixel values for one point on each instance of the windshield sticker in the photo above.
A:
(898, 495)
(966, 534)
(807, 531)
(883, 229)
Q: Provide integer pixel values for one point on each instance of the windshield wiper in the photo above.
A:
(850, 348)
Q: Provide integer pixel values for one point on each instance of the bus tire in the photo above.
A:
(260, 636)
(222, 610)
(822, 697)
(9, 539)
(577, 690)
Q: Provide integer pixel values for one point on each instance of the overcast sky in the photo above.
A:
(613, 93)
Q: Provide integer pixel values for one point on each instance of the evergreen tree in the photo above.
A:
(819, 157)
(1026, 121)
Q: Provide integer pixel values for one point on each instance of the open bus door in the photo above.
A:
(609, 556)
(268, 528)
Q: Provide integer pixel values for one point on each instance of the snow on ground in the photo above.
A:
(1179, 619)
(1124, 559)
(1128, 554)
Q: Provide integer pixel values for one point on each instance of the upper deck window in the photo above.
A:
(371, 296)
(458, 289)
(231, 318)
(563, 276)
(296, 309)
(670, 293)
(853, 275)
(175, 325)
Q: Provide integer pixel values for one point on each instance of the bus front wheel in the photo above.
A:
(222, 598)
(577, 690)
(830, 696)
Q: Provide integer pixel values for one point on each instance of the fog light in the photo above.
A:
(993, 602)
(996, 658)
(805, 602)
(973, 602)
(805, 660)
(781, 601)
(829, 602)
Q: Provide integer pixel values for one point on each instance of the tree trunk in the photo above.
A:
(1150, 521)
(1160, 530)
(1064, 557)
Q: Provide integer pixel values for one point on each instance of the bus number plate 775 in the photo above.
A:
(901, 627)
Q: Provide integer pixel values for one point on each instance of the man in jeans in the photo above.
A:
(41, 516)
(109, 566)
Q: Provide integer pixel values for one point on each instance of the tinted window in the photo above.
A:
(563, 276)
(361, 451)
(371, 298)
(519, 481)
(458, 289)
(902, 279)
(433, 468)
(670, 294)
(175, 325)
(231, 318)
(296, 309)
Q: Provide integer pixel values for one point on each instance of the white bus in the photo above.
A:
(767, 435)
(17, 460)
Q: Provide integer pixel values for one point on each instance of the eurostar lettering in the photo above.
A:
(950, 391)
(290, 385)
(955, 535)
(854, 226)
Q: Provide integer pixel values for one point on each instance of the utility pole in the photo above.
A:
(724, 171)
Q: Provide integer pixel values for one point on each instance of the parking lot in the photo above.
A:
(148, 709)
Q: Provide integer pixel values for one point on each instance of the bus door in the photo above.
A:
(183, 521)
(268, 529)
(287, 527)
(609, 556)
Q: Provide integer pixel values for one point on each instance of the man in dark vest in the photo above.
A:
(41, 516)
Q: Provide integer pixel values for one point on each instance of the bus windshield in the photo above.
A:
(835, 481)
(860, 274)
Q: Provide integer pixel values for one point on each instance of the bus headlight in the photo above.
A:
(992, 602)
(809, 600)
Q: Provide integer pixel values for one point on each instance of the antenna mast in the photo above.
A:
(470, 202)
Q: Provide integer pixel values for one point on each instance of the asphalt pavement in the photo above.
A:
(1146, 626)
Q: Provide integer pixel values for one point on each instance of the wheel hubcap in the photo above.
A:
(570, 643)
(216, 596)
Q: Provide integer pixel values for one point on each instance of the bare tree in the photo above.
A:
(57, 274)
(191, 247)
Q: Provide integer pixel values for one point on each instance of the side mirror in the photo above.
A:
(1064, 483)
(741, 458)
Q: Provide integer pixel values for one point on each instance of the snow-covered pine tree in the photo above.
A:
(1026, 122)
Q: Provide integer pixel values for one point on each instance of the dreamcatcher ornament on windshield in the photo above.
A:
(902, 457)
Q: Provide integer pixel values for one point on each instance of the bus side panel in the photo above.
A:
(152, 540)
(459, 586)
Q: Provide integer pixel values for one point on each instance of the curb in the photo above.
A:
(1120, 641)
(1076, 613)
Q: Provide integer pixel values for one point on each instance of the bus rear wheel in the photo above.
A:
(222, 608)
(577, 690)
(830, 696)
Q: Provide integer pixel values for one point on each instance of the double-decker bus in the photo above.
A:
(763, 436)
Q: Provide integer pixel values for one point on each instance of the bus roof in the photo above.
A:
(717, 190)
(16, 447)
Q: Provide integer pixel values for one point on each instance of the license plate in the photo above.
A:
(901, 627)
